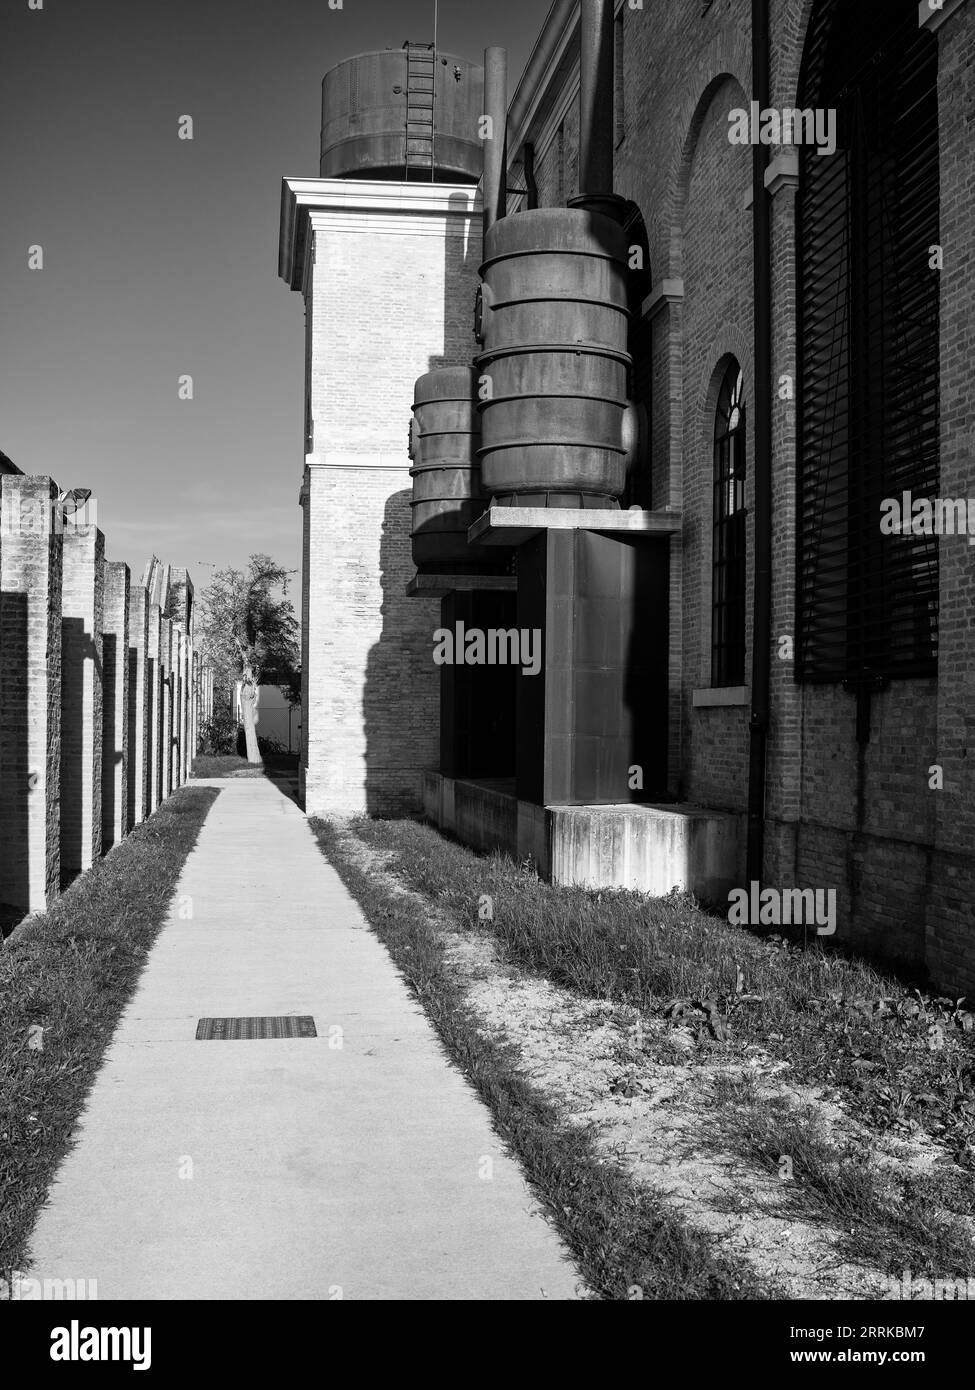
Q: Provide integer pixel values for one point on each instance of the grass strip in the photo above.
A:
(625, 1242)
(889, 1219)
(65, 977)
(904, 1058)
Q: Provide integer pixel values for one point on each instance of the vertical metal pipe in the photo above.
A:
(531, 186)
(494, 183)
(762, 603)
(597, 80)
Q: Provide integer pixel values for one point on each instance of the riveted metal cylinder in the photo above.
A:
(373, 105)
(552, 385)
(447, 498)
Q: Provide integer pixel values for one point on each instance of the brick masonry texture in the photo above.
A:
(386, 301)
(82, 607)
(154, 705)
(165, 708)
(384, 304)
(30, 695)
(79, 652)
(115, 703)
(138, 689)
(901, 855)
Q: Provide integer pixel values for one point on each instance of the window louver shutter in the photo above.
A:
(868, 304)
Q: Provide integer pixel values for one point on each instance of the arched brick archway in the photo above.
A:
(790, 26)
(692, 122)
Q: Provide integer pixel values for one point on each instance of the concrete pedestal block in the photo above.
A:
(651, 849)
(592, 724)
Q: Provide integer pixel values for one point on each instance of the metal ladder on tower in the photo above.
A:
(421, 60)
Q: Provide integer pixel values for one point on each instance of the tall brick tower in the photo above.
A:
(384, 248)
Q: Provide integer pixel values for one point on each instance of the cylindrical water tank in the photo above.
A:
(553, 373)
(367, 102)
(447, 498)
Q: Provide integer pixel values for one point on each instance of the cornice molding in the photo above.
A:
(558, 31)
(302, 197)
(386, 461)
(665, 292)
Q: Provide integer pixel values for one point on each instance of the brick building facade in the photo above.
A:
(866, 817)
(868, 785)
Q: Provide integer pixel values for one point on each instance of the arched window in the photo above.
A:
(728, 551)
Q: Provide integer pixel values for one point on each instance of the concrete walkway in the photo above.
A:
(286, 1169)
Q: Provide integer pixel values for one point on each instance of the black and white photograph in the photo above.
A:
(487, 634)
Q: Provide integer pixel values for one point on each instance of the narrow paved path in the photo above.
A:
(287, 1168)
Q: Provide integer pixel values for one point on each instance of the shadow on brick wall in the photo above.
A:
(399, 700)
(462, 256)
(77, 648)
(112, 757)
(134, 794)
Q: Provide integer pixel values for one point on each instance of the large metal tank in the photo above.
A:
(447, 498)
(553, 321)
(368, 100)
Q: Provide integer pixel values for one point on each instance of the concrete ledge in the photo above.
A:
(665, 292)
(481, 816)
(437, 585)
(515, 525)
(649, 849)
(720, 695)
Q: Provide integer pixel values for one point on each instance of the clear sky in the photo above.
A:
(160, 254)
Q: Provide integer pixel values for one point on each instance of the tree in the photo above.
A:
(249, 628)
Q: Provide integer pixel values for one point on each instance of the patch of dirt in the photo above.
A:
(647, 1095)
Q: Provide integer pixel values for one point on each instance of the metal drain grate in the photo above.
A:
(240, 1029)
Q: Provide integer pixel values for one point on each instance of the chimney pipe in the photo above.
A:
(494, 190)
(597, 73)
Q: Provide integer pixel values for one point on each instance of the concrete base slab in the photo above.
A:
(647, 848)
